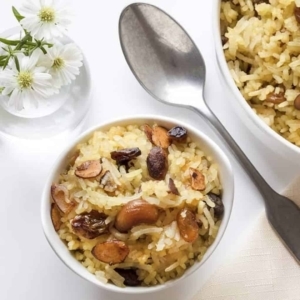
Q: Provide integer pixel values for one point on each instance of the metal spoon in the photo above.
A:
(168, 64)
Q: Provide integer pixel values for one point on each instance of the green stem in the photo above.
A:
(9, 42)
(23, 41)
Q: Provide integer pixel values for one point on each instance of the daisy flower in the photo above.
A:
(63, 63)
(45, 18)
(27, 84)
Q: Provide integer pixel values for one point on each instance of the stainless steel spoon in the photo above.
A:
(168, 64)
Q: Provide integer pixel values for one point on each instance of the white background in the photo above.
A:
(29, 269)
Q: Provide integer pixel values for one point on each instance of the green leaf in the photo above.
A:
(17, 63)
(17, 14)
(9, 42)
(44, 50)
(23, 41)
(6, 62)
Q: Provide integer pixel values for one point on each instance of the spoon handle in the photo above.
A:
(214, 122)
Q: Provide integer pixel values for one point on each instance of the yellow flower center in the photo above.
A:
(58, 63)
(25, 79)
(47, 14)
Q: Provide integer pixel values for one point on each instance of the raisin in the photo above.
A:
(178, 133)
(90, 225)
(130, 276)
(219, 206)
(125, 155)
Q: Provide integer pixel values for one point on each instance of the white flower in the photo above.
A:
(45, 18)
(27, 85)
(63, 62)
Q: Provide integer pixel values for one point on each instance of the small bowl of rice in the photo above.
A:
(137, 204)
(257, 44)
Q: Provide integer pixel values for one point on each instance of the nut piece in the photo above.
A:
(187, 224)
(107, 182)
(157, 163)
(90, 225)
(125, 155)
(89, 169)
(134, 213)
(60, 196)
(173, 188)
(276, 98)
(55, 216)
(297, 13)
(198, 180)
(148, 131)
(73, 158)
(178, 133)
(112, 252)
(224, 39)
(219, 206)
(160, 137)
(130, 276)
(297, 101)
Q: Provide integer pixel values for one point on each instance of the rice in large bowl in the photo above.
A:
(157, 252)
(261, 45)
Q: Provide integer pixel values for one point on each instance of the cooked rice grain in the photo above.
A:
(262, 53)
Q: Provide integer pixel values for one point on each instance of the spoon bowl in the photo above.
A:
(168, 64)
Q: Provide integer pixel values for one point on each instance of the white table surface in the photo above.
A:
(29, 269)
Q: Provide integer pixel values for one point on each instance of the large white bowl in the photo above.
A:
(226, 177)
(270, 138)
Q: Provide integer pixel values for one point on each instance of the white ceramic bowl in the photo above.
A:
(270, 138)
(226, 177)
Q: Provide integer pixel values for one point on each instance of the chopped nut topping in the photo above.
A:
(55, 216)
(276, 98)
(187, 224)
(148, 131)
(297, 102)
(73, 158)
(160, 137)
(60, 196)
(112, 252)
(107, 182)
(134, 213)
(89, 169)
(198, 180)
(297, 13)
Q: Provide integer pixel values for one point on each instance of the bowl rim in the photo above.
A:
(49, 230)
(224, 70)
